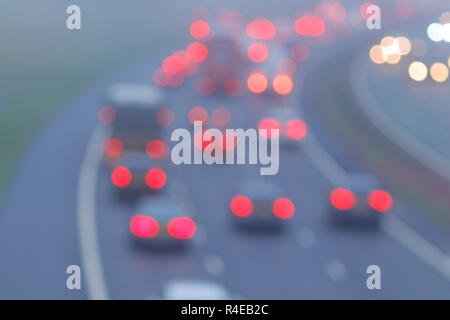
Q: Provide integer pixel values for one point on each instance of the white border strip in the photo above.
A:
(86, 218)
(388, 127)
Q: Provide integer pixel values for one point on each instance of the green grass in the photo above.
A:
(43, 65)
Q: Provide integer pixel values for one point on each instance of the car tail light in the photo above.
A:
(310, 26)
(283, 208)
(342, 199)
(199, 29)
(380, 200)
(197, 113)
(257, 82)
(143, 226)
(165, 117)
(233, 87)
(241, 206)
(257, 52)
(156, 178)
(296, 129)
(221, 117)
(157, 149)
(121, 177)
(197, 52)
(269, 124)
(107, 115)
(113, 148)
(261, 29)
(181, 228)
(282, 84)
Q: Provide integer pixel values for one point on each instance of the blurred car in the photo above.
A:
(292, 128)
(223, 66)
(131, 118)
(161, 222)
(360, 201)
(273, 77)
(137, 175)
(194, 290)
(261, 205)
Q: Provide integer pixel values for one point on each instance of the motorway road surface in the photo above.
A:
(40, 229)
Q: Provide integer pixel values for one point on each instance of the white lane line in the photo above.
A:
(335, 270)
(323, 161)
(200, 235)
(306, 238)
(387, 126)
(417, 245)
(398, 230)
(393, 226)
(214, 265)
(86, 218)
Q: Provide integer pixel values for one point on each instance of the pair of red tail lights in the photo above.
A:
(344, 199)
(242, 207)
(143, 226)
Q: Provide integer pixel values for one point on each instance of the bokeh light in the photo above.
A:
(257, 82)
(418, 71)
(439, 72)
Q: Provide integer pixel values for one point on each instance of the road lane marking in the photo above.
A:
(86, 218)
(306, 238)
(398, 230)
(200, 235)
(335, 270)
(386, 125)
(322, 160)
(418, 245)
(214, 265)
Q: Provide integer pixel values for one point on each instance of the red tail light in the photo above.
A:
(199, 29)
(257, 52)
(342, 199)
(220, 117)
(113, 148)
(310, 26)
(165, 117)
(206, 86)
(241, 206)
(156, 178)
(380, 200)
(283, 208)
(296, 129)
(172, 65)
(197, 113)
(300, 53)
(233, 87)
(181, 228)
(261, 29)
(121, 177)
(197, 52)
(282, 84)
(107, 115)
(157, 149)
(143, 226)
(269, 124)
(257, 82)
